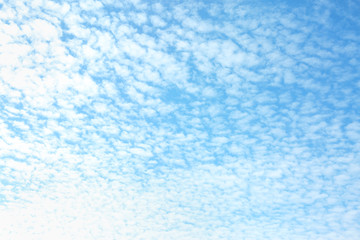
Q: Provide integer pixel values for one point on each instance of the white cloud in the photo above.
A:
(84, 85)
(43, 30)
(90, 5)
(141, 152)
(157, 21)
(177, 121)
(139, 18)
(353, 131)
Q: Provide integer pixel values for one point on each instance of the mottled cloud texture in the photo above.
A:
(179, 120)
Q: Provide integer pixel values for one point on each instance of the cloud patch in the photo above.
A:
(139, 120)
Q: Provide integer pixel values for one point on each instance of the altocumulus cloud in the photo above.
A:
(179, 120)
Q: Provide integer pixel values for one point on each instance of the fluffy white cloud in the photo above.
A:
(43, 30)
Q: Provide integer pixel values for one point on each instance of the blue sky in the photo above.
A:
(179, 120)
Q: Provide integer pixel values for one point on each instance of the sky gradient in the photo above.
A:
(185, 120)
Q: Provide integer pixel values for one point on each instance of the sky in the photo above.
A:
(184, 120)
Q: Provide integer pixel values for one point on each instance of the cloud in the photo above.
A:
(138, 120)
(157, 21)
(43, 30)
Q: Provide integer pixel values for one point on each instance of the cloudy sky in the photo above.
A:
(182, 120)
